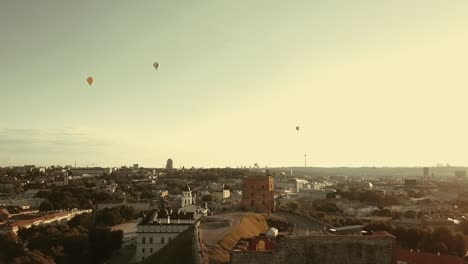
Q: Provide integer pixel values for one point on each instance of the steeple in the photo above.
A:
(186, 198)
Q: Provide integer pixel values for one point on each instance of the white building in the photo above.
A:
(221, 195)
(158, 229)
(187, 204)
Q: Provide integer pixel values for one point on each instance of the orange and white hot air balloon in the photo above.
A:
(90, 80)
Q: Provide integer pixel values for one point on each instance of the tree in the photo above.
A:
(33, 257)
(410, 214)
(46, 206)
(104, 242)
(293, 206)
(379, 226)
(9, 248)
(459, 245)
(207, 198)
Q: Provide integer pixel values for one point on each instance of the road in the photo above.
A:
(213, 231)
(303, 226)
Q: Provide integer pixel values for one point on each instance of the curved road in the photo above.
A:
(303, 226)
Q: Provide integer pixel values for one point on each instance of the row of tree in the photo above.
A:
(369, 197)
(73, 197)
(440, 239)
(85, 238)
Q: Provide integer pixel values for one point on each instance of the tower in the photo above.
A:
(169, 164)
(186, 198)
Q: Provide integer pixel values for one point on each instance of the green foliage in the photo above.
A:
(46, 206)
(441, 239)
(9, 248)
(33, 257)
(107, 217)
(104, 242)
(410, 214)
(207, 198)
(71, 244)
(74, 197)
(370, 197)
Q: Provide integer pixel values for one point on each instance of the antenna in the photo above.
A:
(305, 160)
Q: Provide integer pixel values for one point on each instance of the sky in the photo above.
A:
(369, 83)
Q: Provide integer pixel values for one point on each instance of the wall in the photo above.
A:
(150, 238)
(324, 250)
(196, 248)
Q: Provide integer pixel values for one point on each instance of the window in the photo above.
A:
(252, 195)
(162, 240)
(170, 239)
(263, 196)
(143, 250)
(263, 202)
(252, 186)
(263, 186)
(252, 203)
(151, 250)
(143, 240)
(151, 240)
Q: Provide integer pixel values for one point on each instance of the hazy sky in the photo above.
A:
(369, 82)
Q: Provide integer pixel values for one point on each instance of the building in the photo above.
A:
(12, 226)
(313, 194)
(258, 194)
(90, 171)
(158, 229)
(411, 182)
(220, 195)
(425, 172)
(140, 206)
(187, 204)
(379, 248)
(135, 166)
(460, 174)
(169, 164)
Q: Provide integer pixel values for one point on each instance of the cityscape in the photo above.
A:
(132, 214)
(233, 132)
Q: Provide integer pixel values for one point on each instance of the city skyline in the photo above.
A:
(369, 84)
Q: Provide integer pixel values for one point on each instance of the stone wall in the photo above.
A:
(196, 248)
(324, 250)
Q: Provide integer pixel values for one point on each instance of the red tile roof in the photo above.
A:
(426, 257)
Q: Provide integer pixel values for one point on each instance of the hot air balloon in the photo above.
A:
(90, 80)
(297, 128)
(156, 65)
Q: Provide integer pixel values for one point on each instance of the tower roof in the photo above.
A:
(186, 188)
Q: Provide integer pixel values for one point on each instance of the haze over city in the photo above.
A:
(370, 83)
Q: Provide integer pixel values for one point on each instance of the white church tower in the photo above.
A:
(186, 198)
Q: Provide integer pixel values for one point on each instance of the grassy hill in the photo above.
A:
(250, 225)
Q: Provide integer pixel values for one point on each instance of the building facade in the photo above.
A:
(158, 229)
(258, 194)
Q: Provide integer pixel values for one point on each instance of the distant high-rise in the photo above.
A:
(426, 172)
(169, 164)
(135, 166)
